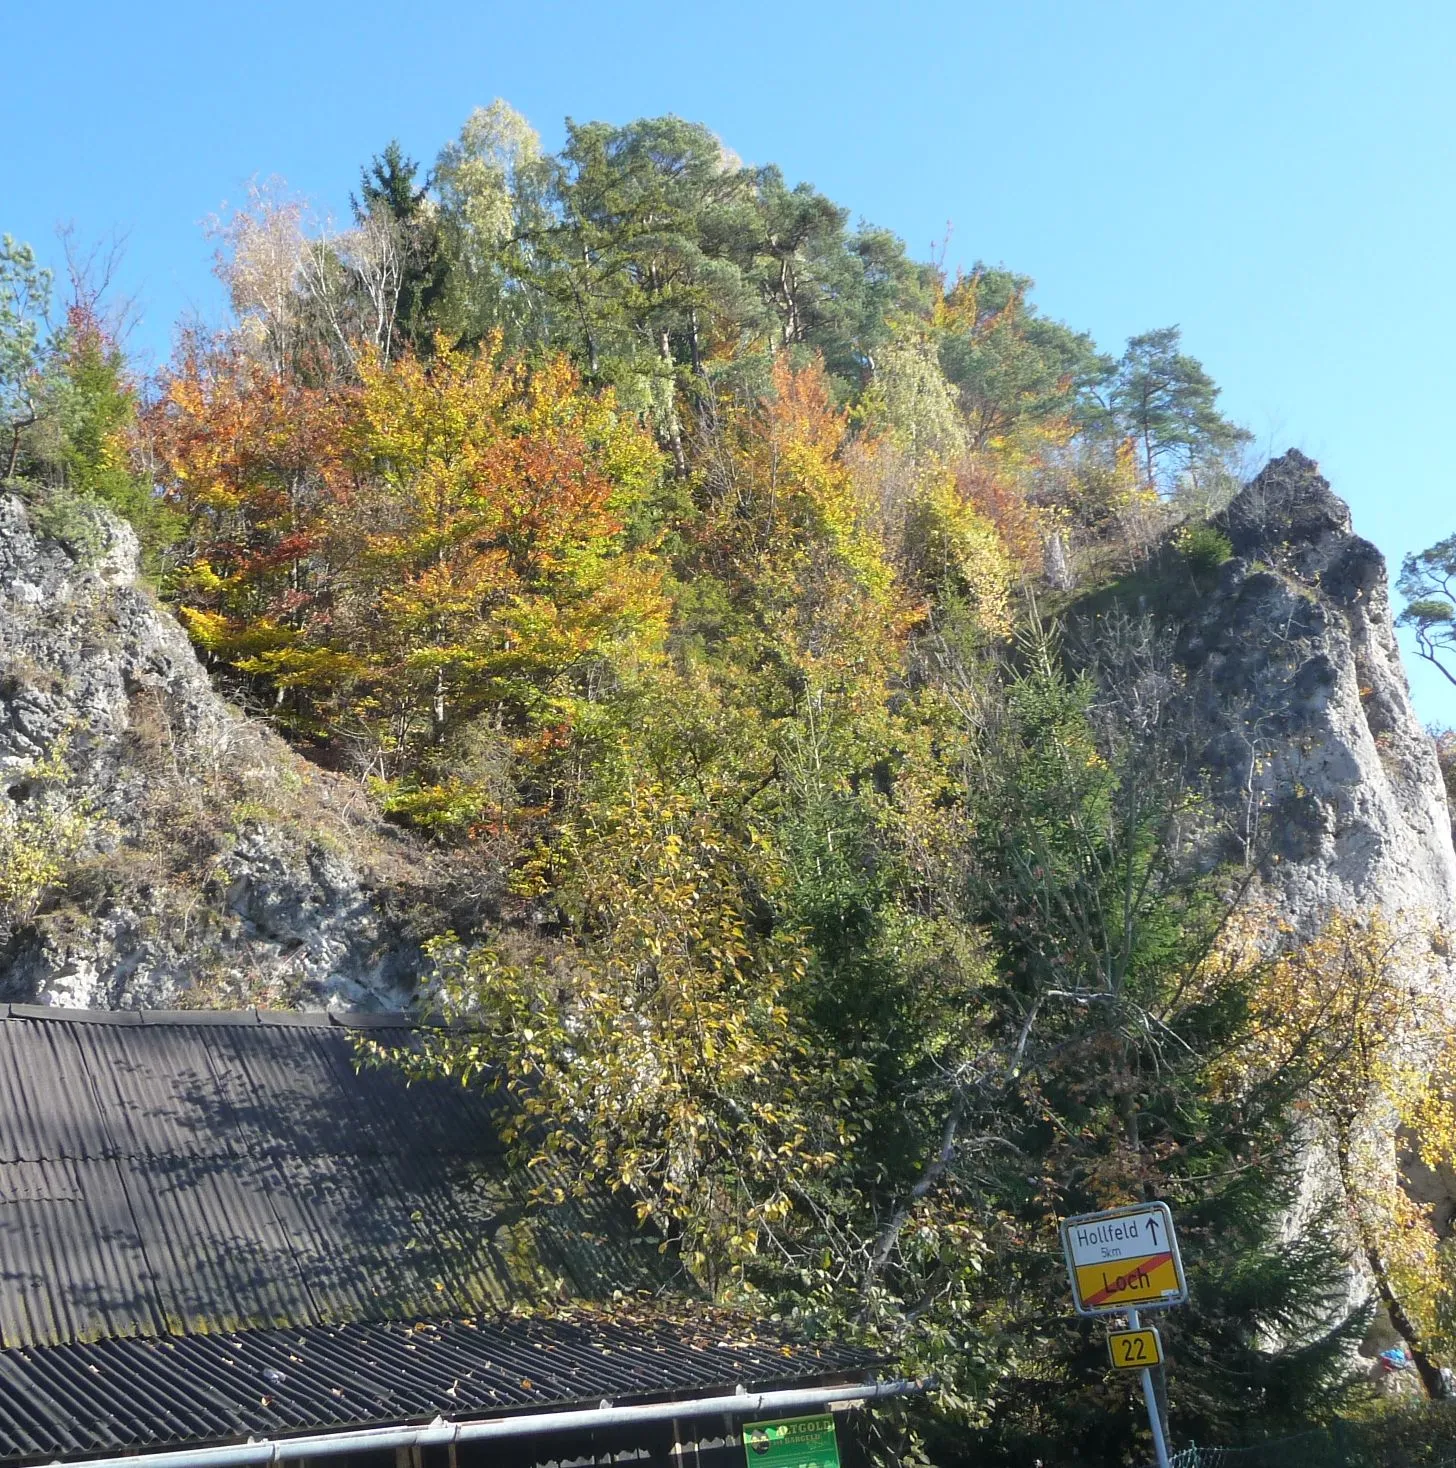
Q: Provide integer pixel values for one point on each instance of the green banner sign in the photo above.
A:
(797, 1442)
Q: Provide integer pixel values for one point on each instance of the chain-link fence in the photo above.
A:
(1403, 1439)
(1314, 1449)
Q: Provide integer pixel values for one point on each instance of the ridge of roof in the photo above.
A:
(393, 1019)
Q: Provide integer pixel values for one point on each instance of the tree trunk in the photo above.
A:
(791, 304)
(674, 429)
(696, 346)
(1426, 1369)
(1405, 1327)
(15, 431)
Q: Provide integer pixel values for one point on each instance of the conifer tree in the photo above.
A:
(1166, 402)
(398, 208)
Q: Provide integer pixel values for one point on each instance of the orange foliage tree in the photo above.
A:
(396, 558)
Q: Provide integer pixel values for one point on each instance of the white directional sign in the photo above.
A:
(1125, 1258)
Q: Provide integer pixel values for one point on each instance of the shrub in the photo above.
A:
(1203, 547)
(72, 520)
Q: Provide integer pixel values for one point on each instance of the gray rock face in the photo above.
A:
(1325, 773)
(204, 862)
(1307, 712)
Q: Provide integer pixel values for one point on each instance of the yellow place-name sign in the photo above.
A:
(1141, 1280)
(1132, 1350)
(1122, 1259)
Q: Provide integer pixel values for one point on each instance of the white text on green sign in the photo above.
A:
(795, 1442)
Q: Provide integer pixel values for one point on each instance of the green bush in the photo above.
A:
(1203, 547)
(72, 519)
(1397, 1435)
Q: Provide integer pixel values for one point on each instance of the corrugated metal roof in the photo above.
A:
(195, 1172)
(220, 1257)
(47, 1106)
(287, 1096)
(71, 1256)
(213, 1225)
(124, 1395)
(394, 1271)
(156, 1087)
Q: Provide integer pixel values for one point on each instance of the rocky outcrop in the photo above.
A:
(1324, 771)
(193, 857)
(1325, 777)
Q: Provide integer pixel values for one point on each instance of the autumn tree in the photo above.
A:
(390, 560)
(491, 566)
(89, 450)
(249, 457)
(1356, 1015)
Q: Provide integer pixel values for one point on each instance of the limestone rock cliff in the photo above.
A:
(1325, 775)
(1305, 714)
(211, 864)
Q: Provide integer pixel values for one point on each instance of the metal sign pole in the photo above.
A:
(1155, 1417)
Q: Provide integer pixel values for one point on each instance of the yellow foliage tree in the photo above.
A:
(41, 835)
(657, 1050)
(391, 559)
(1355, 1018)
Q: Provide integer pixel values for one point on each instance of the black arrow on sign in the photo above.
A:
(1153, 1228)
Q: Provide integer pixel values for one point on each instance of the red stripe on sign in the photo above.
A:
(1148, 1264)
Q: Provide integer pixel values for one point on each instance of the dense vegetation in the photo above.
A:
(642, 531)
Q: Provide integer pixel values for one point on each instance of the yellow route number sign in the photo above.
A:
(1123, 1259)
(1134, 1350)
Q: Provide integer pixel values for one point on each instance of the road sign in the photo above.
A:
(795, 1442)
(1132, 1350)
(1124, 1258)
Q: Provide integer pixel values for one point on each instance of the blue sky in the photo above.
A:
(1275, 177)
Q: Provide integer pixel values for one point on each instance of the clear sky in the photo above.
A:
(1275, 177)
